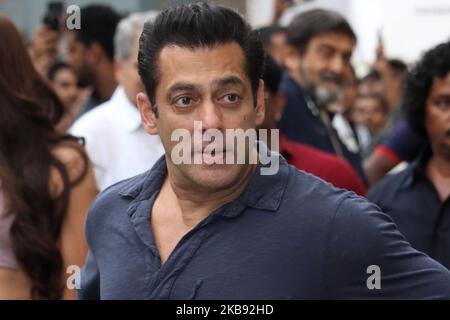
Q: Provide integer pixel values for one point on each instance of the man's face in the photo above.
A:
(208, 85)
(369, 112)
(370, 87)
(277, 47)
(321, 69)
(77, 58)
(127, 73)
(437, 114)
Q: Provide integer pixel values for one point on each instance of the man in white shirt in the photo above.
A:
(116, 142)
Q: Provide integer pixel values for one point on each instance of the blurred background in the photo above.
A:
(408, 27)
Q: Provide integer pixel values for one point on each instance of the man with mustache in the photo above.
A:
(418, 199)
(319, 47)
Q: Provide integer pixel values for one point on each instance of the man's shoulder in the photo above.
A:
(314, 204)
(390, 184)
(309, 191)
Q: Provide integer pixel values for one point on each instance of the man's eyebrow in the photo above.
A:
(227, 81)
(442, 95)
(327, 46)
(180, 86)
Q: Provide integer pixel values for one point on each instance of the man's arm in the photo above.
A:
(90, 280)
(368, 258)
(90, 273)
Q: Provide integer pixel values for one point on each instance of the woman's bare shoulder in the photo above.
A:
(75, 161)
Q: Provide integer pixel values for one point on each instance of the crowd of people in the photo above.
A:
(87, 179)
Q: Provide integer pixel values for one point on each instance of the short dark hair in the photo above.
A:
(272, 75)
(57, 66)
(266, 33)
(196, 26)
(434, 63)
(312, 23)
(98, 24)
(398, 66)
(373, 75)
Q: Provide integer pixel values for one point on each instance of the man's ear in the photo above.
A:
(280, 102)
(148, 117)
(260, 108)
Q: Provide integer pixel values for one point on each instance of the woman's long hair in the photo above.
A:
(29, 111)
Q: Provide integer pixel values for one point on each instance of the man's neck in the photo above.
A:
(105, 81)
(196, 203)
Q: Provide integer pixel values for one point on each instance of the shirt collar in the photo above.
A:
(127, 112)
(417, 169)
(263, 192)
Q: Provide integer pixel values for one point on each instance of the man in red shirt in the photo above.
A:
(324, 165)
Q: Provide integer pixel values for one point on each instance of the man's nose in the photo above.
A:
(211, 116)
(338, 65)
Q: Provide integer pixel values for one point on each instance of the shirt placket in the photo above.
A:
(164, 280)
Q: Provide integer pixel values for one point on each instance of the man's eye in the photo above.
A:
(231, 98)
(183, 101)
(443, 104)
(326, 52)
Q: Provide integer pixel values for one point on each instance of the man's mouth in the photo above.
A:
(214, 156)
(331, 78)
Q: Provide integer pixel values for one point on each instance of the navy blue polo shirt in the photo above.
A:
(302, 123)
(413, 202)
(287, 236)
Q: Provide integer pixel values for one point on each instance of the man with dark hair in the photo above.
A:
(273, 38)
(91, 52)
(371, 111)
(418, 199)
(398, 67)
(392, 74)
(319, 47)
(371, 84)
(396, 142)
(209, 230)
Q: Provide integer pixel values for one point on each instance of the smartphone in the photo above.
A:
(53, 15)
